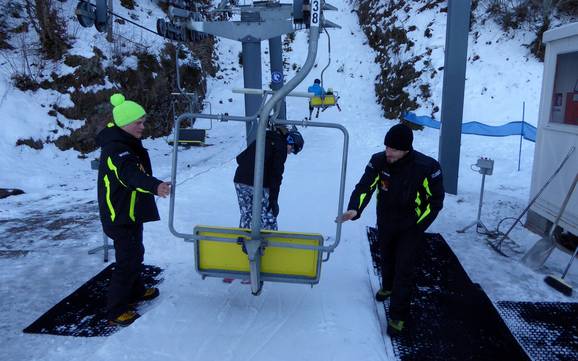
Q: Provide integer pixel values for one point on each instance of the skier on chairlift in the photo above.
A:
(278, 144)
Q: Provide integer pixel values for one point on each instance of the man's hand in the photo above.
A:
(346, 216)
(164, 189)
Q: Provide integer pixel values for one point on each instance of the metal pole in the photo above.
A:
(521, 135)
(457, 28)
(252, 79)
(260, 141)
(570, 263)
(105, 239)
(481, 200)
(109, 24)
(478, 222)
(276, 59)
(255, 241)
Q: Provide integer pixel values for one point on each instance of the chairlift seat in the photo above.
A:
(190, 136)
(324, 101)
(219, 258)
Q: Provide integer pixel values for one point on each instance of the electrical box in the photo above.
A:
(485, 166)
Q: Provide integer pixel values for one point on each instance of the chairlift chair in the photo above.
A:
(321, 103)
(187, 136)
(192, 135)
(257, 254)
(275, 256)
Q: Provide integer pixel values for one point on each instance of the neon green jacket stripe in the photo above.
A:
(425, 214)
(113, 168)
(132, 203)
(418, 202)
(426, 186)
(363, 195)
(108, 201)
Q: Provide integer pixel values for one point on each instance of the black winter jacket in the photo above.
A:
(126, 186)
(410, 191)
(275, 157)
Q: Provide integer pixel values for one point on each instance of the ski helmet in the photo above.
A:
(295, 139)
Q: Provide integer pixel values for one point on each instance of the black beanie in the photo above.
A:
(399, 137)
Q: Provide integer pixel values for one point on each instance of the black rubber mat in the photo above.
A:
(546, 330)
(82, 313)
(451, 318)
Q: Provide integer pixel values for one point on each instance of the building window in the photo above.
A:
(565, 95)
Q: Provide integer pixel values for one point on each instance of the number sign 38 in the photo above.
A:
(315, 12)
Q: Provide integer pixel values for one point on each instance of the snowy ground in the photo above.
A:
(48, 231)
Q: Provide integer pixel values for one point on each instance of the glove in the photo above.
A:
(274, 207)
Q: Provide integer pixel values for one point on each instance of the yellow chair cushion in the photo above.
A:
(224, 256)
(327, 100)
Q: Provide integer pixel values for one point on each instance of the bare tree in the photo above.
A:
(547, 9)
(50, 27)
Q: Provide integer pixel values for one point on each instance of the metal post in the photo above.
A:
(109, 24)
(457, 28)
(252, 79)
(478, 222)
(105, 247)
(260, 139)
(570, 263)
(521, 135)
(481, 200)
(262, 127)
(276, 58)
(101, 16)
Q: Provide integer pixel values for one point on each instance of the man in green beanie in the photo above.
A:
(126, 190)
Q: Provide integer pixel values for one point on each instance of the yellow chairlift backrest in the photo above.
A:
(214, 257)
(327, 100)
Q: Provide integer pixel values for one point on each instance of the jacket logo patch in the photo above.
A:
(384, 184)
(436, 173)
(123, 154)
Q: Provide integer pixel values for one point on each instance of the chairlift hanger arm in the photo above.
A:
(270, 92)
(266, 111)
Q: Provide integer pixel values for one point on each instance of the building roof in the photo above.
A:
(561, 32)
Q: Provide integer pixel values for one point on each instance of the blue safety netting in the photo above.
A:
(527, 131)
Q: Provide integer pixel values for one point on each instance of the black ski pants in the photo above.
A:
(126, 284)
(400, 253)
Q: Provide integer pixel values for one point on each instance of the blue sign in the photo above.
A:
(276, 77)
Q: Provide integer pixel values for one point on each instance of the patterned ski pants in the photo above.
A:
(245, 197)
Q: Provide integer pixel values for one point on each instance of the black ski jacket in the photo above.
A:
(275, 157)
(410, 192)
(126, 186)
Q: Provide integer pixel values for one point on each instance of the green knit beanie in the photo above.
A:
(125, 111)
